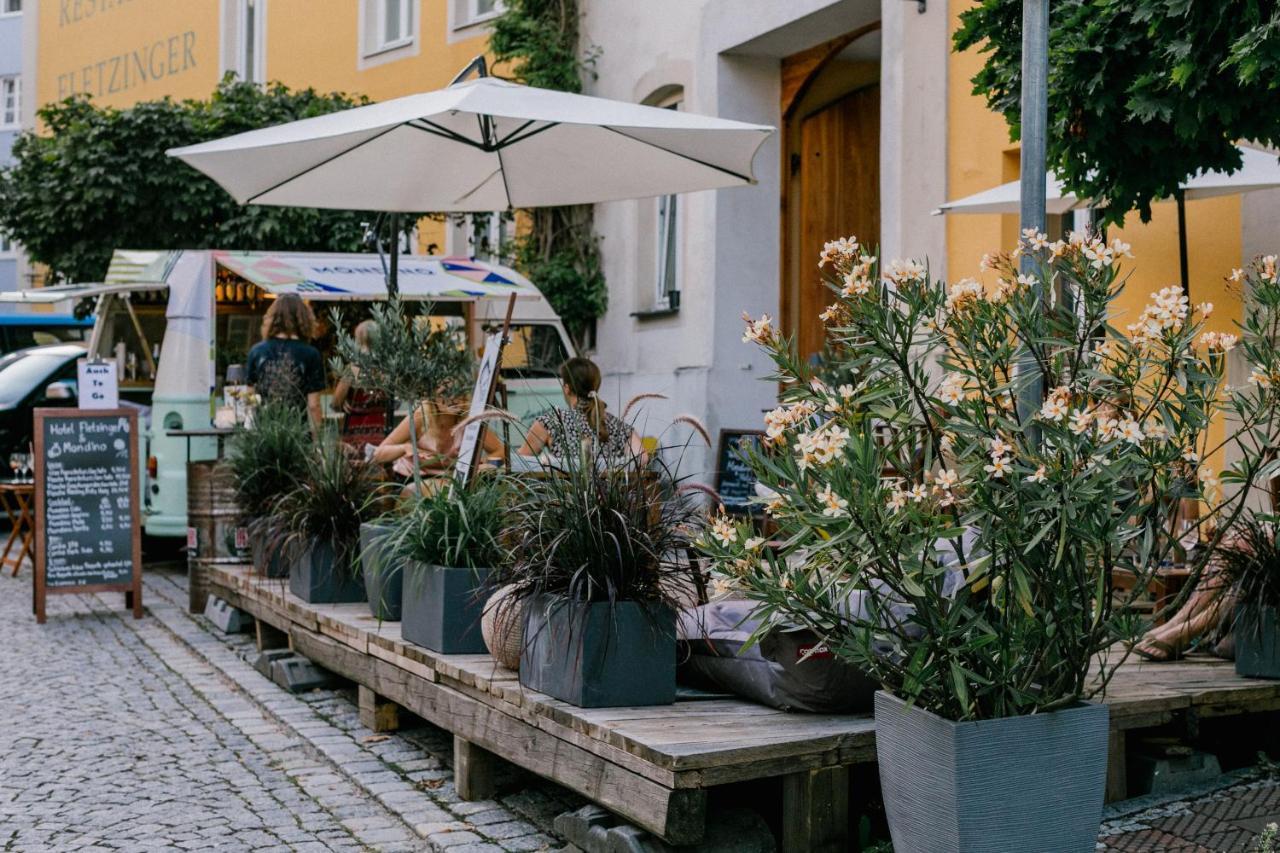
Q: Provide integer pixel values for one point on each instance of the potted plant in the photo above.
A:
(950, 515)
(321, 519)
(447, 543)
(1250, 562)
(408, 359)
(267, 458)
(596, 561)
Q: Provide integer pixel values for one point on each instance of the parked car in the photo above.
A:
(32, 378)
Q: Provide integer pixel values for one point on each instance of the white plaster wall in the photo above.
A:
(726, 55)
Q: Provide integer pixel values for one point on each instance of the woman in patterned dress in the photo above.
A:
(562, 431)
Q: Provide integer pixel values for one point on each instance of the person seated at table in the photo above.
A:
(283, 367)
(364, 412)
(438, 441)
(562, 431)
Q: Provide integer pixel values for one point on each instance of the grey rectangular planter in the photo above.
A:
(1032, 783)
(382, 578)
(442, 608)
(1257, 642)
(599, 655)
(317, 579)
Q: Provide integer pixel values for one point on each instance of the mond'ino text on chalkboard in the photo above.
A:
(88, 517)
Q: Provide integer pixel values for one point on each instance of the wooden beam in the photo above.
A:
(815, 811)
(1117, 767)
(377, 714)
(474, 770)
(677, 816)
(269, 636)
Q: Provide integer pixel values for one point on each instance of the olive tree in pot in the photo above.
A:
(407, 359)
(1250, 563)
(596, 559)
(268, 457)
(321, 521)
(447, 542)
(974, 582)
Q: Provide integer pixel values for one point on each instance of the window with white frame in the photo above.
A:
(10, 102)
(244, 35)
(390, 25)
(10, 7)
(7, 247)
(468, 12)
(667, 261)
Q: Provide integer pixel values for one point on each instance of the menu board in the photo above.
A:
(735, 481)
(86, 498)
(481, 399)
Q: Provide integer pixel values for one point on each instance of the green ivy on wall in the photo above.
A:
(560, 252)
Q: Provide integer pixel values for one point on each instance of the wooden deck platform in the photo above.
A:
(653, 766)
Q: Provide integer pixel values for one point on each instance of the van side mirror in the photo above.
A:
(64, 389)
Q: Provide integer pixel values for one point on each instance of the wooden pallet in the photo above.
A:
(653, 766)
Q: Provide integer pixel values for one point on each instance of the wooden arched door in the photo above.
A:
(832, 151)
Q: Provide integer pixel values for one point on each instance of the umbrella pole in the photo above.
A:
(393, 275)
(1181, 198)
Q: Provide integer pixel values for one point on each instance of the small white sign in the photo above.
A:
(99, 384)
(480, 397)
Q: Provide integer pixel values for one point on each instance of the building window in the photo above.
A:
(10, 7)
(392, 24)
(8, 248)
(667, 262)
(469, 12)
(244, 39)
(10, 102)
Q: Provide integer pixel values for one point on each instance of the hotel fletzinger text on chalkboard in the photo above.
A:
(88, 519)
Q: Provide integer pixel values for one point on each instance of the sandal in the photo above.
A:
(1164, 652)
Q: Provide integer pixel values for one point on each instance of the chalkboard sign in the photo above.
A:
(87, 527)
(735, 481)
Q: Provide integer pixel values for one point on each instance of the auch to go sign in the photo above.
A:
(98, 383)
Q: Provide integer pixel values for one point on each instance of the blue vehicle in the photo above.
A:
(20, 331)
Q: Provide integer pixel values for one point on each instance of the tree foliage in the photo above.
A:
(97, 178)
(560, 252)
(1142, 93)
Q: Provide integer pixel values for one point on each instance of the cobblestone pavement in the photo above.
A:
(1223, 821)
(157, 734)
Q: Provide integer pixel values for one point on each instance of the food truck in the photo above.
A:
(174, 321)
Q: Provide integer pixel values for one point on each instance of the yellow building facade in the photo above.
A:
(120, 52)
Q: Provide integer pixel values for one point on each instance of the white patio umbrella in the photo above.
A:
(1259, 170)
(482, 145)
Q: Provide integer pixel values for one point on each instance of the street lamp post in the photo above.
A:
(1035, 121)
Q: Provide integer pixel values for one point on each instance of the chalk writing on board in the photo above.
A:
(735, 481)
(88, 489)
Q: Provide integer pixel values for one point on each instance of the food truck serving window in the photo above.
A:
(535, 350)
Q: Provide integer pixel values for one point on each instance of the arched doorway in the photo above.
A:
(831, 160)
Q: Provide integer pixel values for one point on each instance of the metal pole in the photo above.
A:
(393, 275)
(1181, 198)
(1035, 120)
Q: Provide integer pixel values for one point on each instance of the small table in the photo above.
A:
(17, 500)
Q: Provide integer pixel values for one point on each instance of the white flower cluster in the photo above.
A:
(834, 505)
(835, 251)
(964, 293)
(1218, 341)
(778, 421)
(821, 446)
(758, 331)
(900, 272)
(1166, 313)
(1000, 462)
(951, 391)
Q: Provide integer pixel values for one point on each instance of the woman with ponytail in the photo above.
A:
(564, 430)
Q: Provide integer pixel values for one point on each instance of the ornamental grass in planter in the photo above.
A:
(448, 545)
(267, 459)
(596, 560)
(320, 522)
(1250, 563)
(950, 522)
